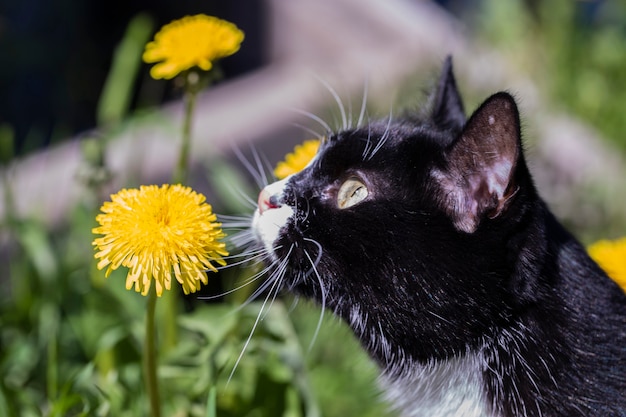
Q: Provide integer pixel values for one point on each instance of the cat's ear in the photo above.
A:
(478, 179)
(447, 110)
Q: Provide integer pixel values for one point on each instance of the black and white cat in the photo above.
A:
(427, 236)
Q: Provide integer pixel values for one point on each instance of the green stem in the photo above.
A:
(150, 356)
(10, 217)
(182, 167)
(168, 314)
(53, 353)
(211, 409)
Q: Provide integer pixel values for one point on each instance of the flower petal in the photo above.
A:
(156, 230)
(192, 41)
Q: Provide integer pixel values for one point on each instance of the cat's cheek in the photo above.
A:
(268, 225)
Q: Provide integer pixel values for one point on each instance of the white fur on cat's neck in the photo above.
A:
(449, 388)
(439, 388)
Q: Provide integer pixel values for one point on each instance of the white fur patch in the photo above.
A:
(450, 388)
(267, 225)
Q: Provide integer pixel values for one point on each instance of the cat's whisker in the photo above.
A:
(245, 216)
(363, 104)
(235, 225)
(268, 167)
(307, 129)
(247, 258)
(384, 137)
(259, 165)
(273, 276)
(242, 226)
(342, 109)
(279, 277)
(245, 240)
(254, 326)
(308, 210)
(350, 115)
(226, 217)
(233, 228)
(275, 281)
(247, 282)
(243, 197)
(321, 284)
(319, 253)
(260, 290)
(368, 144)
(256, 175)
(323, 297)
(293, 305)
(246, 253)
(315, 118)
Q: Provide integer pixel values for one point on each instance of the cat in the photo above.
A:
(426, 234)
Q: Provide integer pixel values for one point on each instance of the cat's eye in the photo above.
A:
(350, 193)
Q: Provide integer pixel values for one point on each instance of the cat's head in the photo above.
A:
(404, 227)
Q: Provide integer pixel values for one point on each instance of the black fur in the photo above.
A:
(453, 253)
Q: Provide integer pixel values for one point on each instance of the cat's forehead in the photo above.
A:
(384, 138)
(378, 151)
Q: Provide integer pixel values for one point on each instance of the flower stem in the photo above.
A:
(168, 314)
(150, 359)
(182, 167)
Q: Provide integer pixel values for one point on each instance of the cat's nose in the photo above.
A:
(267, 201)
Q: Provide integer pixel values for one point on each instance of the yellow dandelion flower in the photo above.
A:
(153, 231)
(298, 159)
(193, 41)
(611, 256)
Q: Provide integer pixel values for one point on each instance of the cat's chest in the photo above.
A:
(448, 388)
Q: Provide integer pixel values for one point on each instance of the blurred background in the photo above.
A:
(81, 118)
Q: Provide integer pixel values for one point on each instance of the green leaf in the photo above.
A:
(4, 404)
(214, 322)
(117, 91)
(36, 242)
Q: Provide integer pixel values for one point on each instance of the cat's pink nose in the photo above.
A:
(267, 201)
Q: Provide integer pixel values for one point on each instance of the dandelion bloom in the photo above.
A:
(189, 42)
(611, 256)
(298, 159)
(154, 230)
